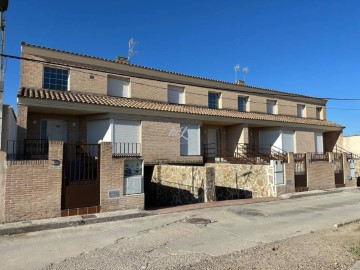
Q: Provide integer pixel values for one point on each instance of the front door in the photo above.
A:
(213, 145)
(55, 130)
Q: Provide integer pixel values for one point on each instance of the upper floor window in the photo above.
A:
(301, 110)
(214, 100)
(271, 106)
(56, 78)
(176, 95)
(242, 102)
(118, 87)
(319, 113)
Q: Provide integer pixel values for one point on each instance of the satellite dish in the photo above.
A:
(4, 5)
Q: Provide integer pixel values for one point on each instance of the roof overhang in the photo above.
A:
(51, 105)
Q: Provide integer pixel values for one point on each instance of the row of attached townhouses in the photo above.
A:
(96, 135)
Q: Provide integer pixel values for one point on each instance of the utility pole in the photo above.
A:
(3, 8)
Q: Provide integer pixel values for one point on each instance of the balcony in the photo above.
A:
(244, 154)
(28, 149)
(125, 149)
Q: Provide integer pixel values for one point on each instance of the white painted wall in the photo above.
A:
(352, 144)
(99, 130)
(270, 137)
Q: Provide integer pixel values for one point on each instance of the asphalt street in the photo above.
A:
(139, 243)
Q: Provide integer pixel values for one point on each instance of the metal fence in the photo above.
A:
(319, 157)
(28, 149)
(80, 164)
(124, 149)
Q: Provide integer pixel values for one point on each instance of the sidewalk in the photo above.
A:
(73, 221)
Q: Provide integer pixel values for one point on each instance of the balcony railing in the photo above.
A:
(319, 157)
(124, 149)
(245, 153)
(28, 149)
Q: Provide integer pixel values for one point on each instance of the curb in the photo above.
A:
(313, 193)
(341, 224)
(32, 226)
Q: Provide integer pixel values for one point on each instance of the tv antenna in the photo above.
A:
(131, 51)
(245, 71)
(236, 69)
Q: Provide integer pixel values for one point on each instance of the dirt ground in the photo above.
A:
(329, 249)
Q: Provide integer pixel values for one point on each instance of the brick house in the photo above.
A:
(98, 127)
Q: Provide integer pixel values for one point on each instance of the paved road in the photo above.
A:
(168, 240)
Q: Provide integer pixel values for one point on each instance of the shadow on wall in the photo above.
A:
(159, 195)
(227, 193)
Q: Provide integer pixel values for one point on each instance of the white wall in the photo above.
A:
(99, 130)
(352, 144)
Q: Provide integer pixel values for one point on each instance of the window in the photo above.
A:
(319, 111)
(242, 101)
(176, 95)
(319, 146)
(301, 110)
(213, 99)
(56, 78)
(126, 137)
(271, 106)
(118, 87)
(189, 140)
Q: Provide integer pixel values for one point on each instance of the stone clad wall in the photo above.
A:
(190, 184)
(177, 185)
(257, 179)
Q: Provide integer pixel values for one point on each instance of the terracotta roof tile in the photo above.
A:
(157, 106)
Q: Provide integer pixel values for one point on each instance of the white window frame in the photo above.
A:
(319, 113)
(301, 110)
(246, 103)
(181, 94)
(122, 79)
(58, 68)
(219, 98)
(274, 108)
(184, 139)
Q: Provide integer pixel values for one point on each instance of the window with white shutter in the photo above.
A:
(319, 146)
(189, 140)
(126, 138)
(301, 110)
(271, 106)
(176, 95)
(118, 87)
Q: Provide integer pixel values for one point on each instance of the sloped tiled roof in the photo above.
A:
(170, 72)
(104, 100)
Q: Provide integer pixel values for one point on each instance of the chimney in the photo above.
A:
(240, 82)
(121, 60)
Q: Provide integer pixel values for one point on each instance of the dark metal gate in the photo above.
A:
(81, 176)
(339, 170)
(300, 172)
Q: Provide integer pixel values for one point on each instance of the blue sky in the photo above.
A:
(309, 47)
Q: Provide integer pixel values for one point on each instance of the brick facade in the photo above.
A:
(304, 141)
(33, 188)
(95, 82)
(112, 178)
(22, 122)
